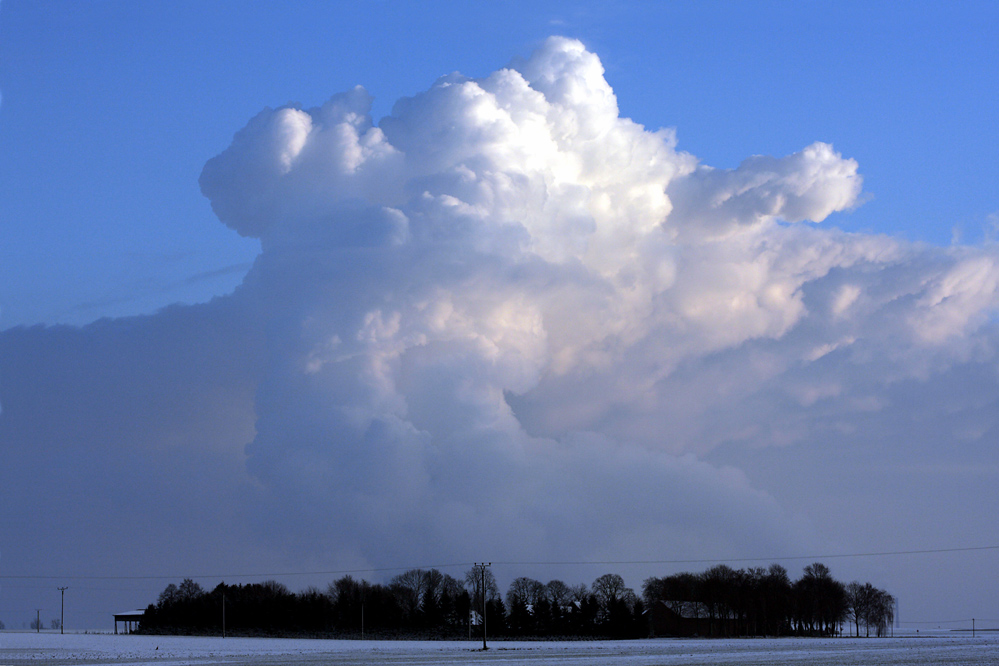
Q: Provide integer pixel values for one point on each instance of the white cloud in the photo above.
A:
(507, 316)
(808, 185)
(564, 260)
(962, 296)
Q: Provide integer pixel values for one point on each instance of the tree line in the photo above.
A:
(427, 603)
(765, 602)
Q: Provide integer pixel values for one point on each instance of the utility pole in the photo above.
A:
(38, 620)
(62, 608)
(482, 571)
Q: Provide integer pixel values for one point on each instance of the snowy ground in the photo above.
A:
(30, 648)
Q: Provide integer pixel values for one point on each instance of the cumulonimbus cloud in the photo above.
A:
(506, 315)
(512, 240)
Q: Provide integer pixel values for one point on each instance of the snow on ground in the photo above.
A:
(94, 649)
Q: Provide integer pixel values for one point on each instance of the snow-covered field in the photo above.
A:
(30, 648)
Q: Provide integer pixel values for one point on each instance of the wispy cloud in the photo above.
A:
(206, 276)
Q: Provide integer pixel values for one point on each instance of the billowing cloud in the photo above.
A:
(507, 319)
(809, 185)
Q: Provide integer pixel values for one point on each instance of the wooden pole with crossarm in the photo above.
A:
(482, 572)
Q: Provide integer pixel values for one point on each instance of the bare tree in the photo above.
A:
(612, 597)
(777, 597)
(857, 599)
(273, 587)
(190, 590)
(579, 592)
(881, 611)
(525, 590)
(608, 588)
(821, 601)
(410, 589)
(559, 594)
(473, 583)
(168, 595)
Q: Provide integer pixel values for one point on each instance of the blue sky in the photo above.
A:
(507, 313)
(111, 108)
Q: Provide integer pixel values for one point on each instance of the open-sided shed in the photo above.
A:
(130, 619)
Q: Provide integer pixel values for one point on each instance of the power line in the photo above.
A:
(891, 553)
(980, 619)
(235, 575)
(766, 559)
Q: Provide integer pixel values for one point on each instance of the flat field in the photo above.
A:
(54, 649)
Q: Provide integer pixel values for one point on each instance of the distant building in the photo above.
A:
(130, 619)
(692, 620)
